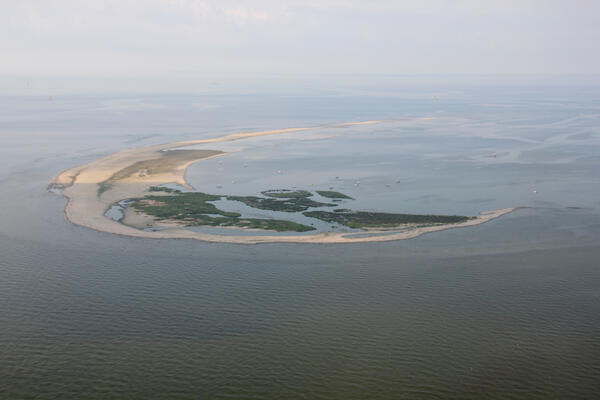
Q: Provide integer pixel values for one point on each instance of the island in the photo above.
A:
(333, 195)
(136, 177)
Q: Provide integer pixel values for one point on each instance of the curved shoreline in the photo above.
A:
(87, 205)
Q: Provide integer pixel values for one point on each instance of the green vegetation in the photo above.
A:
(287, 194)
(180, 206)
(293, 204)
(330, 194)
(163, 189)
(365, 219)
(193, 209)
(278, 225)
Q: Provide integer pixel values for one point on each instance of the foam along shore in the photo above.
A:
(91, 189)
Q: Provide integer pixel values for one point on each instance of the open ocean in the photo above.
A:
(506, 309)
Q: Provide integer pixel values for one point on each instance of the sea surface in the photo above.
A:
(509, 309)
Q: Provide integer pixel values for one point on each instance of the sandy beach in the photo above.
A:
(92, 188)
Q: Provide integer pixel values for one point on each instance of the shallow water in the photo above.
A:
(116, 211)
(506, 309)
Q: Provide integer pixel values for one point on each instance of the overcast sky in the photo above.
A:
(119, 38)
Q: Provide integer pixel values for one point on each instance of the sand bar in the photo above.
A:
(91, 189)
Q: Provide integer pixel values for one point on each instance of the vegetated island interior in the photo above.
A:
(196, 209)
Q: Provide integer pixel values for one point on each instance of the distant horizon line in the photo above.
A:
(266, 83)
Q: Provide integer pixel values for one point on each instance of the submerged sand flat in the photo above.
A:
(93, 188)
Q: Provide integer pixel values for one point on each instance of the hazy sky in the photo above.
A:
(194, 37)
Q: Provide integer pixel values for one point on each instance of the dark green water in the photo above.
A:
(507, 309)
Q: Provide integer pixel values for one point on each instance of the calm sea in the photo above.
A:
(507, 309)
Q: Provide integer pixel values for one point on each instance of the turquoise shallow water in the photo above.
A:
(507, 309)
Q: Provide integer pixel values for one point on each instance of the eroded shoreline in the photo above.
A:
(92, 188)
